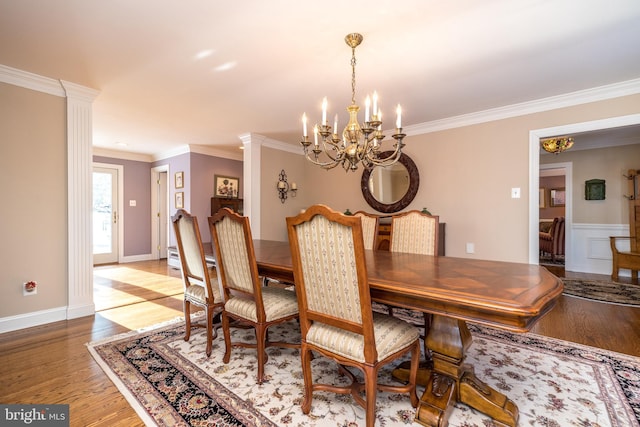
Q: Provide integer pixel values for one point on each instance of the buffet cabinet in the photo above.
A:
(218, 203)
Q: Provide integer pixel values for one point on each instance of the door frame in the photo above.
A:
(120, 206)
(534, 173)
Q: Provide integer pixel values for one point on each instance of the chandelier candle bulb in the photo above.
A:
(304, 125)
(324, 111)
(367, 106)
(375, 106)
(335, 125)
(399, 117)
(315, 135)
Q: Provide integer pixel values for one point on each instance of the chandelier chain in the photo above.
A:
(353, 76)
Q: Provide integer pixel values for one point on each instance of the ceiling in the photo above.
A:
(204, 72)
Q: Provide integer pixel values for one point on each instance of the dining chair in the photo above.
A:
(414, 232)
(417, 233)
(198, 287)
(247, 302)
(369, 228)
(336, 318)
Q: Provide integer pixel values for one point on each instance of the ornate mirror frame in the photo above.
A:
(414, 182)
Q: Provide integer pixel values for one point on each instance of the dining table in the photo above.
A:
(506, 295)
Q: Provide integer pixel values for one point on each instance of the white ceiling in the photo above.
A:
(270, 61)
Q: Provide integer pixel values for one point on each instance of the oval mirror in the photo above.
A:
(391, 188)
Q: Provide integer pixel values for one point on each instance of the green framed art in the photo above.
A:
(594, 189)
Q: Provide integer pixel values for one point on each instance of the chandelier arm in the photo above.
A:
(327, 166)
(334, 161)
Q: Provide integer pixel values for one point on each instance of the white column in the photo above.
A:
(79, 196)
(251, 174)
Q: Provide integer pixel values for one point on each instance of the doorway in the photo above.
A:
(106, 191)
(159, 212)
(571, 260)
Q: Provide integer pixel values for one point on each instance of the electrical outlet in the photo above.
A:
(470, 248)
(27, 293)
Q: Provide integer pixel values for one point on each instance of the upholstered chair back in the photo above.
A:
(194, 267)
(557, 235)
(330, 273)
(414, 232)
(369, 228)
(236, 262)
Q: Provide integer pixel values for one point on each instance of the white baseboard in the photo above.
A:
(135, 258)
(81, 311)
(36, 318)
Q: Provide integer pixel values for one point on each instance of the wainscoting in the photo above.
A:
(590, 251)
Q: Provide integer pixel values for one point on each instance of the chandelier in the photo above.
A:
(557, 145)
(358, 143)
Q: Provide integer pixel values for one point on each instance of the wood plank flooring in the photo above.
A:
(50, 364)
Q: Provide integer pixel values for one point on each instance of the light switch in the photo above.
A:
(515, 193)
(132, 202)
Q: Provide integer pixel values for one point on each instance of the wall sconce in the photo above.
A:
(284, 187)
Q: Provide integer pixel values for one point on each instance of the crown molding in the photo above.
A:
(271, 143)
(47, 85)
(31, 81)
(616, 90)
(212, 151)
(122, 155)
(200, 149)
(79, 92)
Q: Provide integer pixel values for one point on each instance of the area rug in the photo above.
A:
(547, 260)
(603, 291)
(171, 382)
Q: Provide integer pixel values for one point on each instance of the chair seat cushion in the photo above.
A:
(278, 303)
(391, 335)
(196, 293)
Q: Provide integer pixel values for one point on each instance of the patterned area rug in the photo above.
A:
(170, 382)
(546, 260)
(610, 292)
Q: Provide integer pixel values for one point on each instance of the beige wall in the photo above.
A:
(605, 163)
(466, 176)
(33, 187)
(273, 212)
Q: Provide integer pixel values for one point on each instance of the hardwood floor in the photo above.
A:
(50, 364)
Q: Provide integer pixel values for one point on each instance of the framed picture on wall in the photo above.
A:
(226, 186)
(557, 197)
(179, 179)
(541, 198)
(180, 200)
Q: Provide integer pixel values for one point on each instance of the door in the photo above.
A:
(159, 212)
(105, 215)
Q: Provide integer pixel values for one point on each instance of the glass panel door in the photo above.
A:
(105, 215)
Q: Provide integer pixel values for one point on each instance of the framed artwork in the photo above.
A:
(557, 197)
(226, 186)
(541, 198)
(180, 200)
(179, 179)
(594, 189)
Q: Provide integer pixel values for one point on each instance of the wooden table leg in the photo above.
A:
(452, 380)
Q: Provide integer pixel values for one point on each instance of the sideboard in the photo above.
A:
(218, 203)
